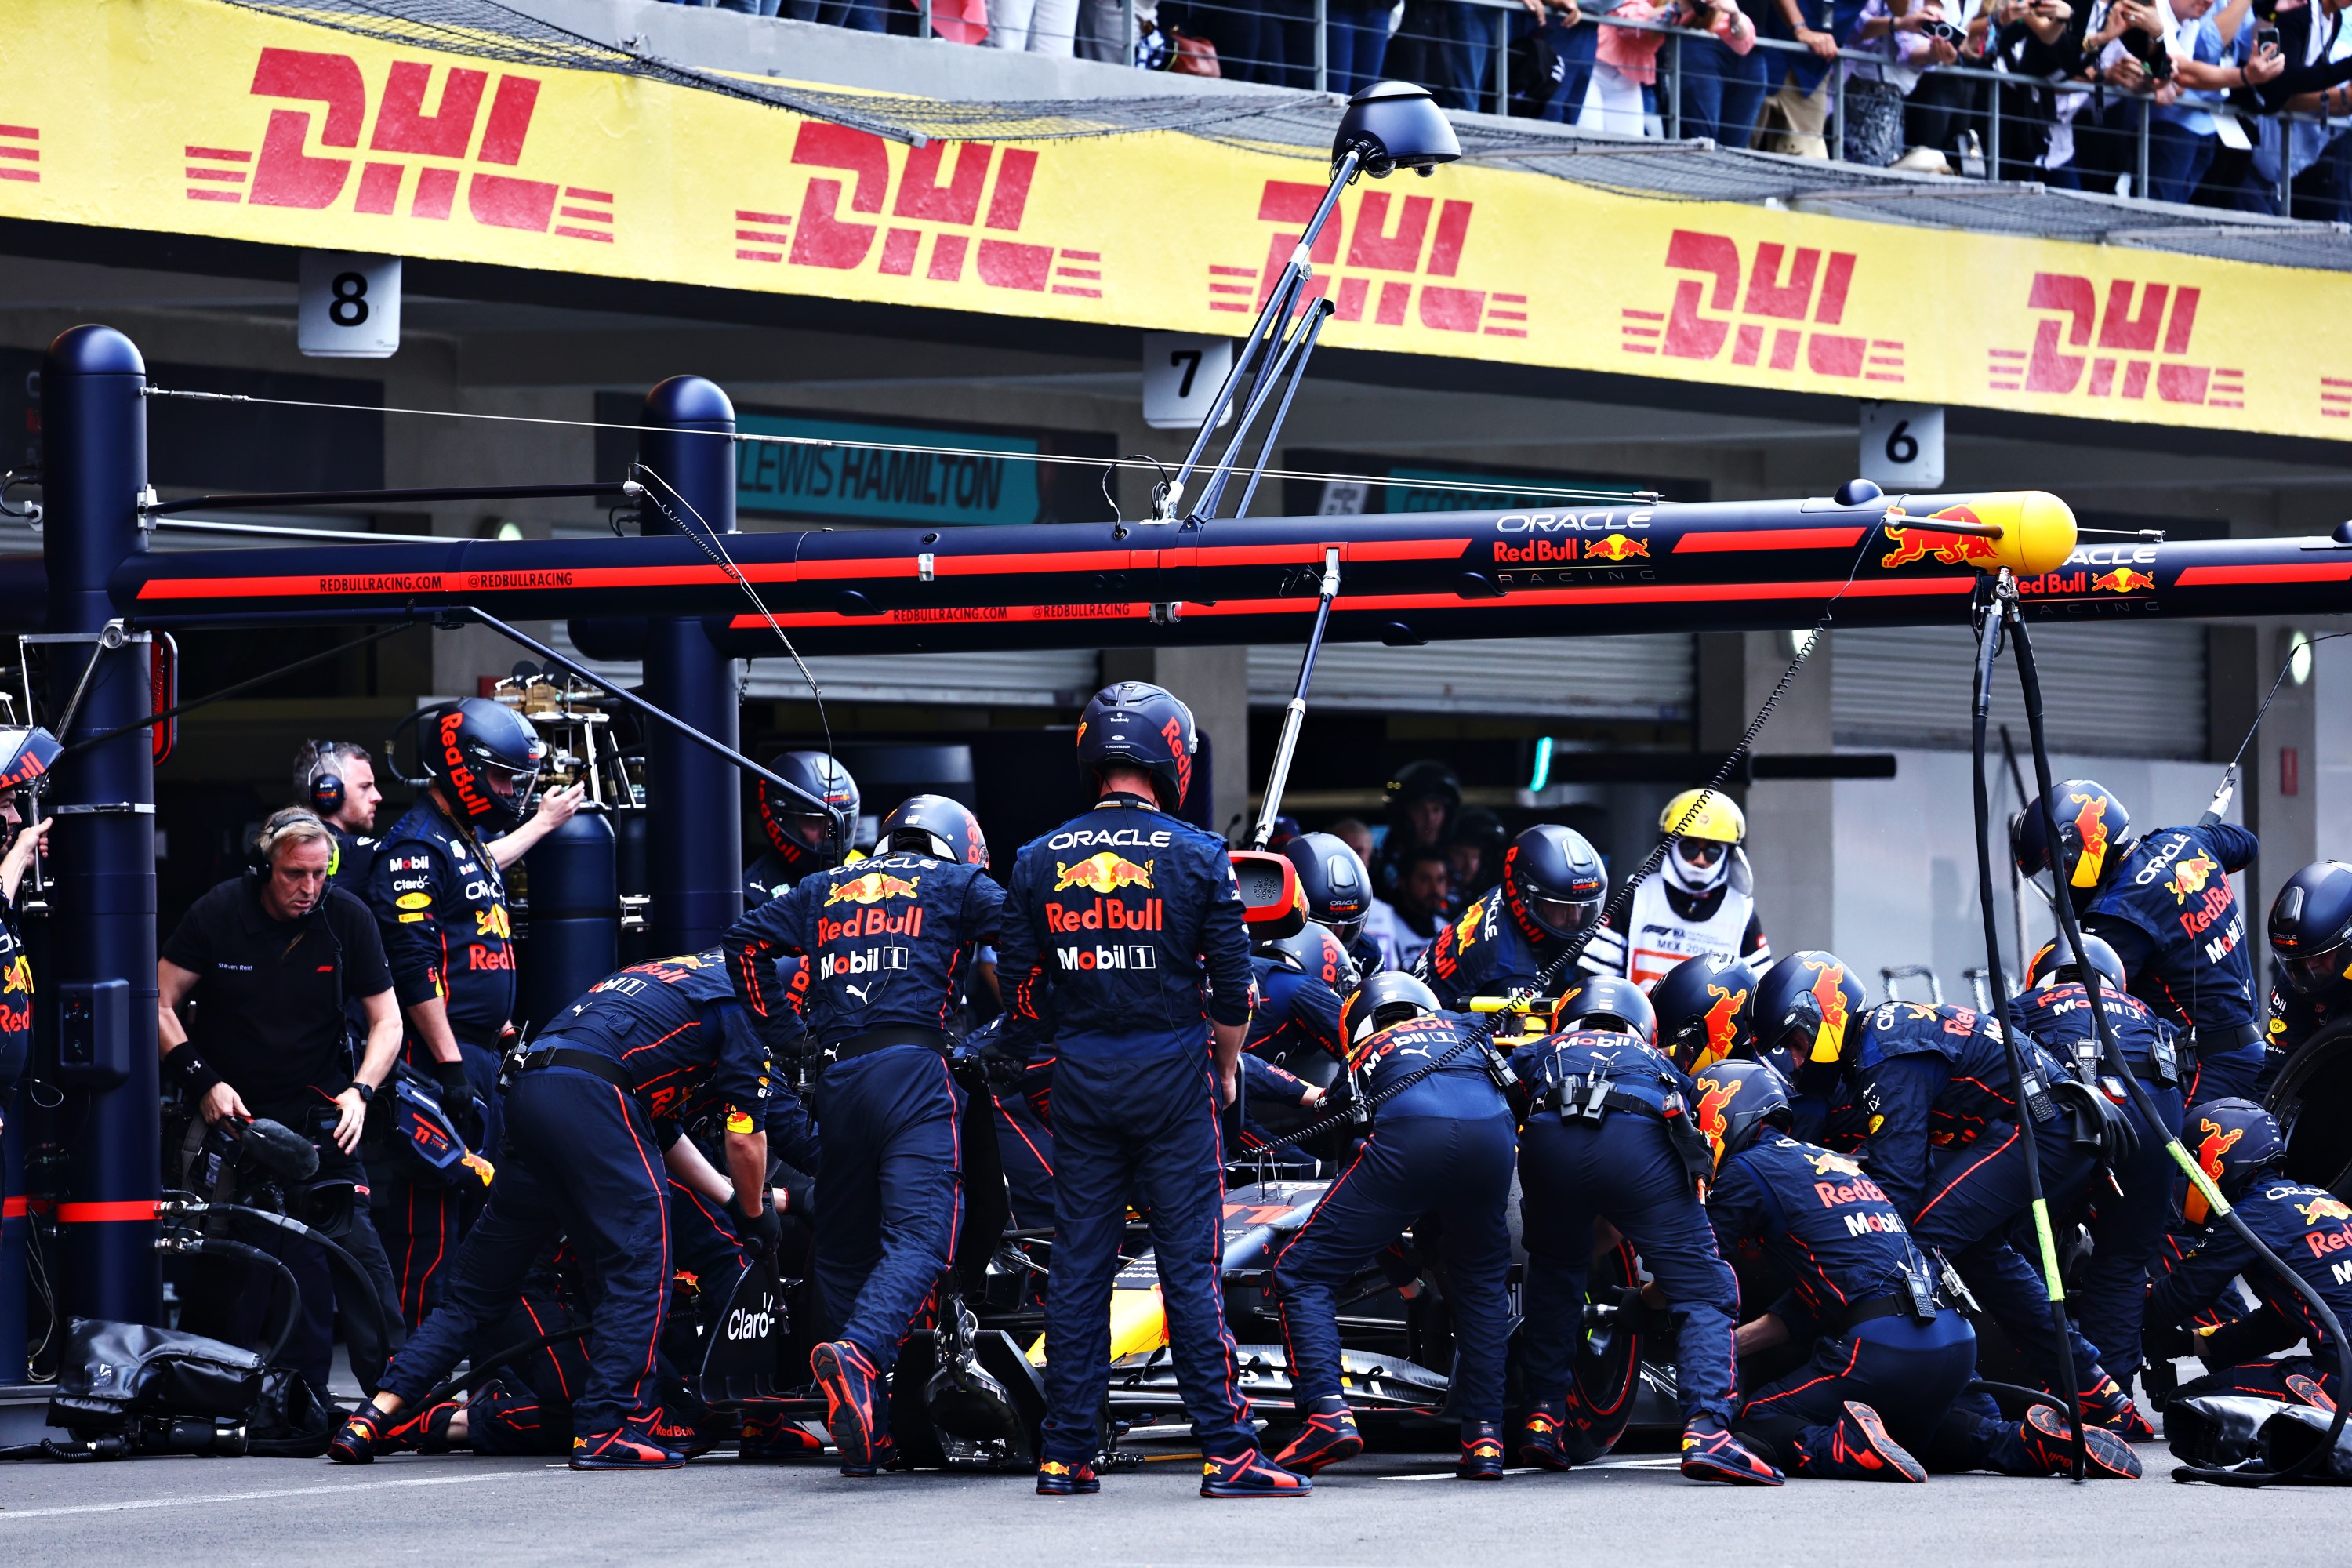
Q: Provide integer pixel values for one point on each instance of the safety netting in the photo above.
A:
(1301, 125)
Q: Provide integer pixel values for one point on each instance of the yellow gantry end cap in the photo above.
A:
(2037, 531)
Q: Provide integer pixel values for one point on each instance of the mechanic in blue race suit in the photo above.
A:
(438, 891)
(2237, 1143)
(1553, 887)
(1609, 1136)
(1124, 955)
(2163, 902)
(1301, 979)
(1445, 1144)
(1881, 1396)
(582, 1160)
(2311, 946)
(2106, 1290)
(1944, 1145)
(886, 943)
(801, 840)
(25, 755)
(1804, 1004)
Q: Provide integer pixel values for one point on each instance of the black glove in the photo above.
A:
(459, 1103)
(762, 1233)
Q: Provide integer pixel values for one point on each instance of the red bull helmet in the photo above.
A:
(1383, 1001)
(486, 758)
(2311, 927)
(1338, 887)
(2054, 965)
(1607, 1003)
(1736, 1100)
(2094, 832)
(25, 755)
(1809, 1005)
(2233, 1141)
(1554, 881)
(1707, 1010)
(805, 840)
(1140, 725)
(935, 826)
(1314, 951)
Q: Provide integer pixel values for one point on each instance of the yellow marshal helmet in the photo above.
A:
(1718, 819)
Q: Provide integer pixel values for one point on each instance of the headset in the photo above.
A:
(323, 786)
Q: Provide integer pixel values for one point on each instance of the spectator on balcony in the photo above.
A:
(1556, 48)
(1034, 27)
(1626, 64)
(2207, 65)
(1359, 43)
(1797, 112)
(1722, 77)
(1907, 37)
(2316, 49)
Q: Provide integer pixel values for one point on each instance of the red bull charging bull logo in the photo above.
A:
(2318, 1211)
(2091, 826)
(1913, 542)
(2213, 1146)
(1723, 1021)
(2190, 877)
(1100, 874)
(1615, 547)
(2122, 580)
(871, 888)
(1103, 873)
(1829, 989)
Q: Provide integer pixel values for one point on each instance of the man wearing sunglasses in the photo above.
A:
(1700, 900)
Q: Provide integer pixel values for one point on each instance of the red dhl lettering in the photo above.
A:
(870, 921)
(1106, 914)
(1861, 1189)
(2133, 341)
(1393, 245)
(1789, 300)
(405, 140)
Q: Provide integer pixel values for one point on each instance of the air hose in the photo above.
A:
(2111, 1053)
(1989, 626)
(364, 1288)
(221, 1246)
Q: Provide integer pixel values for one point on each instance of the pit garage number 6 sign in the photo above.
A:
(350, 306)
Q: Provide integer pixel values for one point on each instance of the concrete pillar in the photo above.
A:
(1214, 682)
(1792, 829)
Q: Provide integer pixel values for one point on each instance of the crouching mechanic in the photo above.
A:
(1440, 1145)
(1880, 1397)
(2237, 1144)
(583, 1160)
(1609, 1136)
(1112, 923)
(1446, 1144)
(886, 941)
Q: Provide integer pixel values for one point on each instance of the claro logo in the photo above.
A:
(415, 161)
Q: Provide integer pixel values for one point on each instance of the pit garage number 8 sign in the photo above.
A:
(350, 305)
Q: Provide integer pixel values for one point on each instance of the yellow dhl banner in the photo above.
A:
(192, 117)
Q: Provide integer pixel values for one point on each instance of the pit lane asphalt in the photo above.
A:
(1383, 1508)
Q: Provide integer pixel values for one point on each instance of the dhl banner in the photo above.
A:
(195, 117)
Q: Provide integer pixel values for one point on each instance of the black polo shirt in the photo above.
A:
(269, 992)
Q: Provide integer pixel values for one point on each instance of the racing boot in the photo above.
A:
(628, 1447)
(1328, 1437)
(2049, 1445)
(426, 1432)
(366, 1433)
(1482, 1452)
(1712, 1454)
(773, 1438)
(1249, 1474)
(2311, 1391)
(1055, 1478)
(1856, 1447)
(672, 1433)
(2107, 1405)
(851, 1387)
(1541, 1441)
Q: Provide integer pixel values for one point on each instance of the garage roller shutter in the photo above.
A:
(2117, 690)
(1591, 678)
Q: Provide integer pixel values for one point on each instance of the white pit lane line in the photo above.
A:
(1658, 1462)
(9, 1515)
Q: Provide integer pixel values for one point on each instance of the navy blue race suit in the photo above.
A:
(885, 945)
(1489, 952)
(2170, 914)
(1598, 1144)
(1863, 1293)
(1123, 939)
(2127, 1229)
(2308, 1226)
(2296, 1016)
(1296, 1020)
(440, 903)
(1934, 1081)
(582, 1160)
(1444, 1146)
(16, 1051)
(766, 878)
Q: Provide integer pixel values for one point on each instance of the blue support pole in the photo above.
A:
(102, 849)
(695, 850)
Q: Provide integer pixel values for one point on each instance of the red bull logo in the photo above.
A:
(2318, 1211)
(1826, 1163)
(1913, 542)
(1713, 1098)
(1103, 873)
(2213, 1146)
(2122, 580)
(19, 975)
(2091, 826)
(1829, 989)
(1615, 547)
(2190, 877)
(1723, 1021)
(871, 888)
